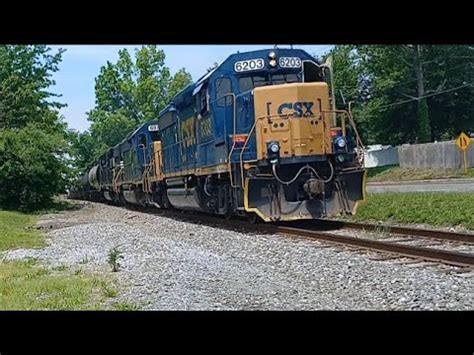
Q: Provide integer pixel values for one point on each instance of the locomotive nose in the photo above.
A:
(292, 116)
(297, 152)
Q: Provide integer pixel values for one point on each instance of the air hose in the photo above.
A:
(306, 167)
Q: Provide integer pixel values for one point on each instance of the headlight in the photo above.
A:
(273, 63)
(273, 148)
(341, 142)
(272, 55)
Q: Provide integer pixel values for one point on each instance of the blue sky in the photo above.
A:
(81, 64)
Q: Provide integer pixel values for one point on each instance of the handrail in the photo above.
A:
(146, 175)
(351, 121)
(233, 135)
(116, 178)
(269, 117)
(242, 154)
(354, 126)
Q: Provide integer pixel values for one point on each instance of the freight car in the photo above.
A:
(258, 136)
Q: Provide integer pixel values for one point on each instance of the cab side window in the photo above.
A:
(245, 83)
(223, 88)
(202, 100)
(142, 140)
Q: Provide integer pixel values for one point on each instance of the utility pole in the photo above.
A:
(419, 71)
(422, 114)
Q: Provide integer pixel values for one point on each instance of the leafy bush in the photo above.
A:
(32, 169)
(114, 255)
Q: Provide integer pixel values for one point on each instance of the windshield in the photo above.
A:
(248, 83)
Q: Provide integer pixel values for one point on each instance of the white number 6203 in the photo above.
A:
(249, 65)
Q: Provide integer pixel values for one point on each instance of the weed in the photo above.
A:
(114, 255)
(85, 260)
(109, 292)
(60, 268)
(124, 306)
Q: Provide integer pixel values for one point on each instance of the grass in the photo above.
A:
(59, 204)
(395, 173)
(433, 208)
(109, 292)
(24, 285)
(372, 172)
(60, 268)
(124, 306)
(17, 231)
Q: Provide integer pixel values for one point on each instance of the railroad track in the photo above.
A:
(318, 230)
(394, 248)
(415, 232)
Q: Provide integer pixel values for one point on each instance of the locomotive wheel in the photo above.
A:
(166, 203)
(228, 215)
(253, 218)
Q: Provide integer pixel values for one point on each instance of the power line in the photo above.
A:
(425, 96)
(429, 75)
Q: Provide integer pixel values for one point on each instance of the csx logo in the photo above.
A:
(300, 109)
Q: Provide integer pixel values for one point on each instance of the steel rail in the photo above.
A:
(437, 255)
(408, 231)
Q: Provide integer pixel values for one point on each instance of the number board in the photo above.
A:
(249, 65)
(153, 128)
(290, 62)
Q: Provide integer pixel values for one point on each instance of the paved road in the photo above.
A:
(451, 185)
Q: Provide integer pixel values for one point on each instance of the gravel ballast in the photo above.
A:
(176, 265)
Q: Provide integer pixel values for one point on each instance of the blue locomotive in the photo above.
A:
(257, 136)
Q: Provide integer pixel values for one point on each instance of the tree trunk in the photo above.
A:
(423, 117)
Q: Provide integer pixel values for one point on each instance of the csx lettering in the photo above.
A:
(205, 126)
(300, 108)
(187, 128)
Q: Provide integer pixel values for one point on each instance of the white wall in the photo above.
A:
(439, 155)
(378, 155)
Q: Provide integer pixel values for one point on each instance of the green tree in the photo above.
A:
(407, 93)
(33, 167)
(25, 75)
(449, 67)
(347, 74)
(128, 93)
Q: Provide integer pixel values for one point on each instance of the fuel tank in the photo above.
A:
(136, 197)
(85, 182)
(184, 198)
(94, 179)
(107, 196)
